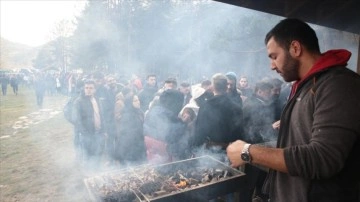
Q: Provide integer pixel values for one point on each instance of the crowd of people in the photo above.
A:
(9, 79)
(42, 82)
(139, 122)
(313, 117)
(311, 121)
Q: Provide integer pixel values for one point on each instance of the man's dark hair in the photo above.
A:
(231, 77)
(150, 75)
(277, 83)
(185, 84)
(171, 80)
(262, 85)
(205, 83)
(172, 100)
(291, 29)
(89, 81)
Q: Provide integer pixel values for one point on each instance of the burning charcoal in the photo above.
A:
(193, 181)
(149, 175)
(150, 187)
(123, 196)
(182, 184)
(196, 175)
(181, 176)
(169, 186)
(207, 178)
(147, 183)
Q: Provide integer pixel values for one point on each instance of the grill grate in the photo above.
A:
(180, 180)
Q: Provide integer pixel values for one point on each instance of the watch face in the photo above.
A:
(245, 157)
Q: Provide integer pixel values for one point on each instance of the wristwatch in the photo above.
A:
(245, 154)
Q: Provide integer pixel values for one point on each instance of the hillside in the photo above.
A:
(15, 55)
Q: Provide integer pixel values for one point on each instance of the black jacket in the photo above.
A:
(258, 119)
(84, 116)
(219, 120)
(146, 95)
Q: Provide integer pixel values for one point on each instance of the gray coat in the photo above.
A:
(320, 131)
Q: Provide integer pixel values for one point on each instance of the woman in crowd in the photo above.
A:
(131, 145)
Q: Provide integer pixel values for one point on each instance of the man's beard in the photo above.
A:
(290, 69)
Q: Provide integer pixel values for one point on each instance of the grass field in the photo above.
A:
(37, 161)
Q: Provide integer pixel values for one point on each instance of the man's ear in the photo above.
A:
(295, 48)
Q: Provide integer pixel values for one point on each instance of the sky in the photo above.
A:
(32, 22)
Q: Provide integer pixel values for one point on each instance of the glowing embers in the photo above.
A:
(193, 179)
(117, 186)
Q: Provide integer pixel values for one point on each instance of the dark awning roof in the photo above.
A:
(338, 14)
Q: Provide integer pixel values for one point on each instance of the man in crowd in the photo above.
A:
(14, 82)
(219, 120)
(185, 89)
(90, 123)
(4, 79)
(276, 103)
(258, 120)
(218, 123)
(244, 87)
(106, 101)
(147, 94)
(317, 155)
(170, 83)
(231, 91)
(258, 114)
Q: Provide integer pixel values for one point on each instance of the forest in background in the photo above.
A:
(186, 39)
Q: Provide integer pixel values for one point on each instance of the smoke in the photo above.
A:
(190, 42)
(186, 39)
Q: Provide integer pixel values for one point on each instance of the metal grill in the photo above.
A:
(197, 179)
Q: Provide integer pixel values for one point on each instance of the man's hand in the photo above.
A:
(234, 153)
(276, 125)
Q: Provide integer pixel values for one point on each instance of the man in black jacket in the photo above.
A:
(147, 94)
(90, 123)
(219, 121)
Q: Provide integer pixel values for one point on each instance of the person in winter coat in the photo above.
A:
(220, 120)
(232, 91)
(130, 145)
(89, 123)
(147, 94)
(259, 114)
(163, 129)
(4, 80)
(14, 82)
(317, 153)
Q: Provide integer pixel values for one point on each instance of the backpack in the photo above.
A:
(68, 110)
